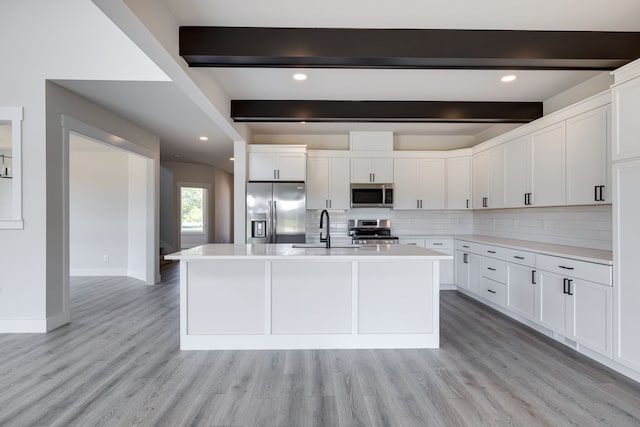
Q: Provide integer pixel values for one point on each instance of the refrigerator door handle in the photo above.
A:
(275, 222)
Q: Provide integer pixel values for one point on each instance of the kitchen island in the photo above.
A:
(278, 296)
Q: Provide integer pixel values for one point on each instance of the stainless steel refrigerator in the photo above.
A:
(276, 212)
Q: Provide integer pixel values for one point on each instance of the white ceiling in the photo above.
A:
(164, 110)
(594, 15)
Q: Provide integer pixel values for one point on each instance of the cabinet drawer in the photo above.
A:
(493, 251)
(474, 248)
(593, 272)
(520, 257)
(438, 243)
(494, 269)
(494, 291)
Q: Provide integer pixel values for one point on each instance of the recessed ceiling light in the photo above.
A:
(303, 122)
(204, 138)
(232, 158)
(508, 78)
(300, 76)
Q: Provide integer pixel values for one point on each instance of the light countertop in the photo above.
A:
(273, 251)
(583, 254)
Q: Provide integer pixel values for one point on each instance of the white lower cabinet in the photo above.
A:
(572, 298)
(593, 316)
(441, 245)
(461, 260)
(577, 309)
(554, 303)
(521, 290)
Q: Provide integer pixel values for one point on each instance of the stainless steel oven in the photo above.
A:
(371, 231)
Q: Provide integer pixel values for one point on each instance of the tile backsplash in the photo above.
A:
(402, 222)
(583, 226)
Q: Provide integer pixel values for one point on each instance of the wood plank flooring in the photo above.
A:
(118, 363)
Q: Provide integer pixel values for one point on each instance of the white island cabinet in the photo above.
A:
(237, 296)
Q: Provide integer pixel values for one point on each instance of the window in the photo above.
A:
(192, 209)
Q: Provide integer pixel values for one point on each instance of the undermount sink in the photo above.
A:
(322, 246)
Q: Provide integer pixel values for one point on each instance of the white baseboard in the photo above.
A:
(448, 287)
(23, 326)
(98, 272)
(58, 320)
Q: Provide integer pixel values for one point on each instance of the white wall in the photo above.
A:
(223, 206)
(98, 209)
(140, 231)
(167, 211)
(74, 40)
(584, 90)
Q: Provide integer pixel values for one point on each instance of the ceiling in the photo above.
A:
(164, 110)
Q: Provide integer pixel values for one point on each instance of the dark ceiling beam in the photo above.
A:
(384, 111)
(406, 48)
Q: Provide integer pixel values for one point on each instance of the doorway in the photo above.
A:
(194, 214)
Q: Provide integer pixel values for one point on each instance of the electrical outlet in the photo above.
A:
(106, 258)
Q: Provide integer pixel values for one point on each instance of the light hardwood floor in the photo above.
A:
(118, 364)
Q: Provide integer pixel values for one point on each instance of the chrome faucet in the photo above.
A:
(327, 239)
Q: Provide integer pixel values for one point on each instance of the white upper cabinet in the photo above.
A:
(548, 166)
(517, 173)
(419, 184)
(459, 183)
(327, 183)
(277, 163)
(488, 179)
(626, 125)
(480, 180)
(372, 170)
(587, 137)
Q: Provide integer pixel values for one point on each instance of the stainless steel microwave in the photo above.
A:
(371, 195)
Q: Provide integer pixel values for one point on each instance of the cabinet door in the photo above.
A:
(480, 179)
(361, 171)
(459, 183)
(462, 269)
(496, 177)
(475, 272)
(626, 126)
(262, 166)
(339, 183)
(516, 172)
(587, 158)
(382, 170)
(318, 183)
(548, 167)
(521, 290)
(291, 166)
(626, 229)
(554, 305)
(405, 187)
(431, 183)
(592, 315)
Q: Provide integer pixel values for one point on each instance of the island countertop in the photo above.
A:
(287, 251)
